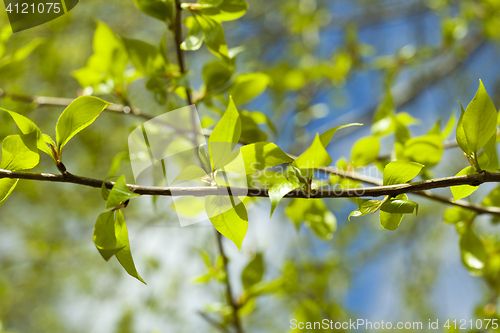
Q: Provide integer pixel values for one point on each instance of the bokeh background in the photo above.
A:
(330, 62)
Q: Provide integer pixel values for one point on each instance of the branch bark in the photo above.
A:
(418, 188)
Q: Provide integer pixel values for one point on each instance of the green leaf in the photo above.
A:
(278, 191)
(119, 194)
(400, 172)
(397, 206)
(225, 135)
(479, 120)
(463, 191)
(315, 215)
(383, 116)
(104, 235)
(365, 207)
(257, 157)
(214, 36)
(111, 239)
(105, 68)
(488, 160)
(26, 126)
(230, 219)
(217, 74)
(19, 152)
(124, 256)
(191, 173)
(195, 36)
(77, 116)
(253, 272)
(146, 58)
(7, 185)
(248, 86)
(226, 10)
(365, 151)
(326, 137)
(391, 221)
(460, 133)
(314, 157)
(473, 253)
(425, 150)
(162, 10)
(458, 214)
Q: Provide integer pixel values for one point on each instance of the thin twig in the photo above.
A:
(229, 292)
(178, 42)
(213, 322)
(418, 188)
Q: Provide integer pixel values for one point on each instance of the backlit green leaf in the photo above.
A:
(162, 10)
(391, 221)
(124, 256)
(315, 215)
(248, 86)
(426, 150)
(26, 126)
(19, 152)
(77, 116)
(479, 120)
(7, 185)
(214, 36)
(228, 10)
(365, 151)
(146, 58)
(104, 235)
(216, 74)
(400, 172)
(195, 36)
(191, 173)
(228, 217)
(225, 135)
(463, 191)
(326, 137)
(119, 194)
(460, 133)
(473, 253)
(278, 191)
(257, 157)
(314, 157)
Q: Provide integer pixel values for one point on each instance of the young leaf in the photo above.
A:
(146, 58)
(119, 194)
(426, 149)
(397, 206)
(230, 219)
(257, 157)
(383, 116)
(19, 152)
(104, 235)
(315, 215)
(314, 157)
(226, 10)
(26, 126)
(77, 116)
(195, 35)
(474, 255)
(479, 120)
(326, 137)
(460, 133)
(365, 207)
(162, 10)
(216, 74)
(7, 185)
(124, 256)
(253, 272)
(365, 151)
(463, 191)
(214, 36)
(225, 135)
(278, 191)
(400, 172)
(191, 173)
(248, 86)
(391, 221)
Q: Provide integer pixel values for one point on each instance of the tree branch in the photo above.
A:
(375, 191)
(229, 292)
